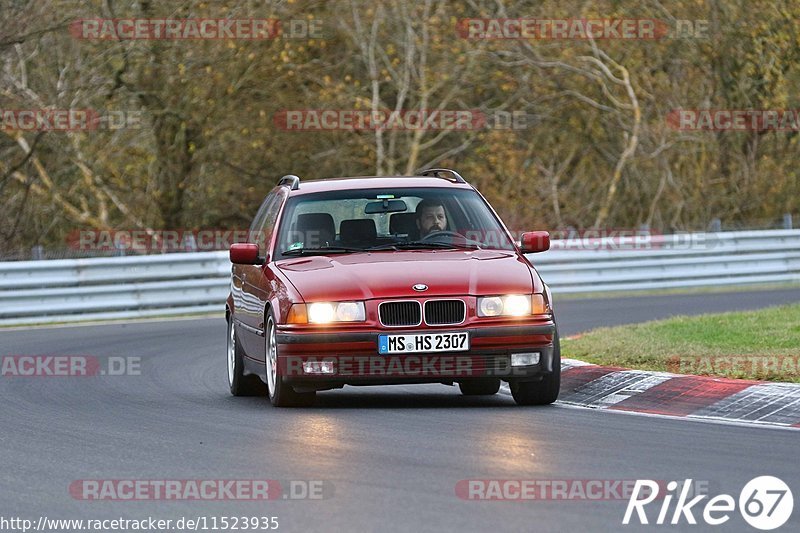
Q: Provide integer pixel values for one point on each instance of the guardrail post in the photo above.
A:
(716, 225)
(37, 252)
(787, 221)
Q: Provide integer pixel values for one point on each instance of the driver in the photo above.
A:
(430, 217)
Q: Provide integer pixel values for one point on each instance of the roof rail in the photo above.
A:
(455, 177)
(291, 180)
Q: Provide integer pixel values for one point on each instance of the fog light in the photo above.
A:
(318, 367)
(524, 359)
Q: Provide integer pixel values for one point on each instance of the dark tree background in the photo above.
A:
(202, 148)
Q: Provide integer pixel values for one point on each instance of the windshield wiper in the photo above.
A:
(322, 250)
(424, 245)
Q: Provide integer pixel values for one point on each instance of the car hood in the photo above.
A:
(364, 276)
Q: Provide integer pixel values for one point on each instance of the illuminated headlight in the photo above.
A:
(510, 305)
(325, 312)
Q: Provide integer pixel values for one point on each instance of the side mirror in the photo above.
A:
(535, 241)
(245, 254)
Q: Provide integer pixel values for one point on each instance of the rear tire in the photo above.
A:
(483, 387)
(542, 392)
(239, 383)
(280, 393)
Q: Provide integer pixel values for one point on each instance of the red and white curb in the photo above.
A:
(674, 395)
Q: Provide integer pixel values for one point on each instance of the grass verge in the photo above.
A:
(763, 345)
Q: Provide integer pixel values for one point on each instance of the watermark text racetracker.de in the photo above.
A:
(137, 240)
(406, 364)
(68, 366)
(734, 119)
(69, 120)
(121, 490)
(752, 365)
(307, 120)
(549, 489)
(579, 29)
(250, 29)
(627, 239)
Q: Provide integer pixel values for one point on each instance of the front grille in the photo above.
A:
(395, 314)
(444, 312)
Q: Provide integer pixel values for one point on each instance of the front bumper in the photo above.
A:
(352, 357)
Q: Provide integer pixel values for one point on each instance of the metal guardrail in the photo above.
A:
(187, 283)
(68, 290)
(672, 261)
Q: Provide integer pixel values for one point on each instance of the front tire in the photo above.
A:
(542, 392)
(280, 394)
(239, 383)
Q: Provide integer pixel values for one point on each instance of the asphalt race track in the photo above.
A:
(389, 457)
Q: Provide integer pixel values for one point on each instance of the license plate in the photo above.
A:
(423, 343)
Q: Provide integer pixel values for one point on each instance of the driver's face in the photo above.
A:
(432, 219)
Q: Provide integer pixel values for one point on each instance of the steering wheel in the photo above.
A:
(443, 233)
(452, 234)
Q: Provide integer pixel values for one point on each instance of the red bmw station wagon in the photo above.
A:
(387, 280)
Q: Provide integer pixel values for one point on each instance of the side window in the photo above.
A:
(253, 235)
(270, 216)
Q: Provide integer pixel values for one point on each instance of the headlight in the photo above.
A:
(511, 305)
(491, 306)
(320, 312)
(350, 312)
(325, 312)
(517, 305)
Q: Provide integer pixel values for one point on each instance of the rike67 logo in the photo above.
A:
(765, 502)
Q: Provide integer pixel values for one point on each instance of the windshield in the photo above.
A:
(386, 219)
